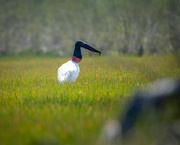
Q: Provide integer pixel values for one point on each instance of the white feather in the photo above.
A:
(68, 72)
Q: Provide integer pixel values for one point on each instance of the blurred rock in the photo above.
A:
(151, 117)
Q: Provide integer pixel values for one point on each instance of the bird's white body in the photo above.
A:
(68, 72)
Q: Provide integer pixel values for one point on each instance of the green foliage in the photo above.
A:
(35, 109)
(116, 25)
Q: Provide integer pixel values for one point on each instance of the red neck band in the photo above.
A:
(75, 59)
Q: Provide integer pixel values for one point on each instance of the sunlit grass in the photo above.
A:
(36, 109)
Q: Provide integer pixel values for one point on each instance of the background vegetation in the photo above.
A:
(36, 110)
(116, 26)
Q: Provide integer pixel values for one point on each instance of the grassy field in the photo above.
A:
(35, 109)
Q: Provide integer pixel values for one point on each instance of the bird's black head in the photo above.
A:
(77, 56)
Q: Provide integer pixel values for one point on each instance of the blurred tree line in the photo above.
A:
(112, 26)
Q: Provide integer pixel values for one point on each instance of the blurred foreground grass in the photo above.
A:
(35, 109)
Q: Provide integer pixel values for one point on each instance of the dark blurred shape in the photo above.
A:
(45, 139)
(141, 51)
(162, 93)
(174, 23)
(151, 117)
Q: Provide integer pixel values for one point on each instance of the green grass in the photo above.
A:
(35, 109)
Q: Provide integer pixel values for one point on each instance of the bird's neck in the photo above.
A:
(75, 59)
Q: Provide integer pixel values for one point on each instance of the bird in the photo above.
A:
(69, 71)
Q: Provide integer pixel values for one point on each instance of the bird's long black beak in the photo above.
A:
(86, 46)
